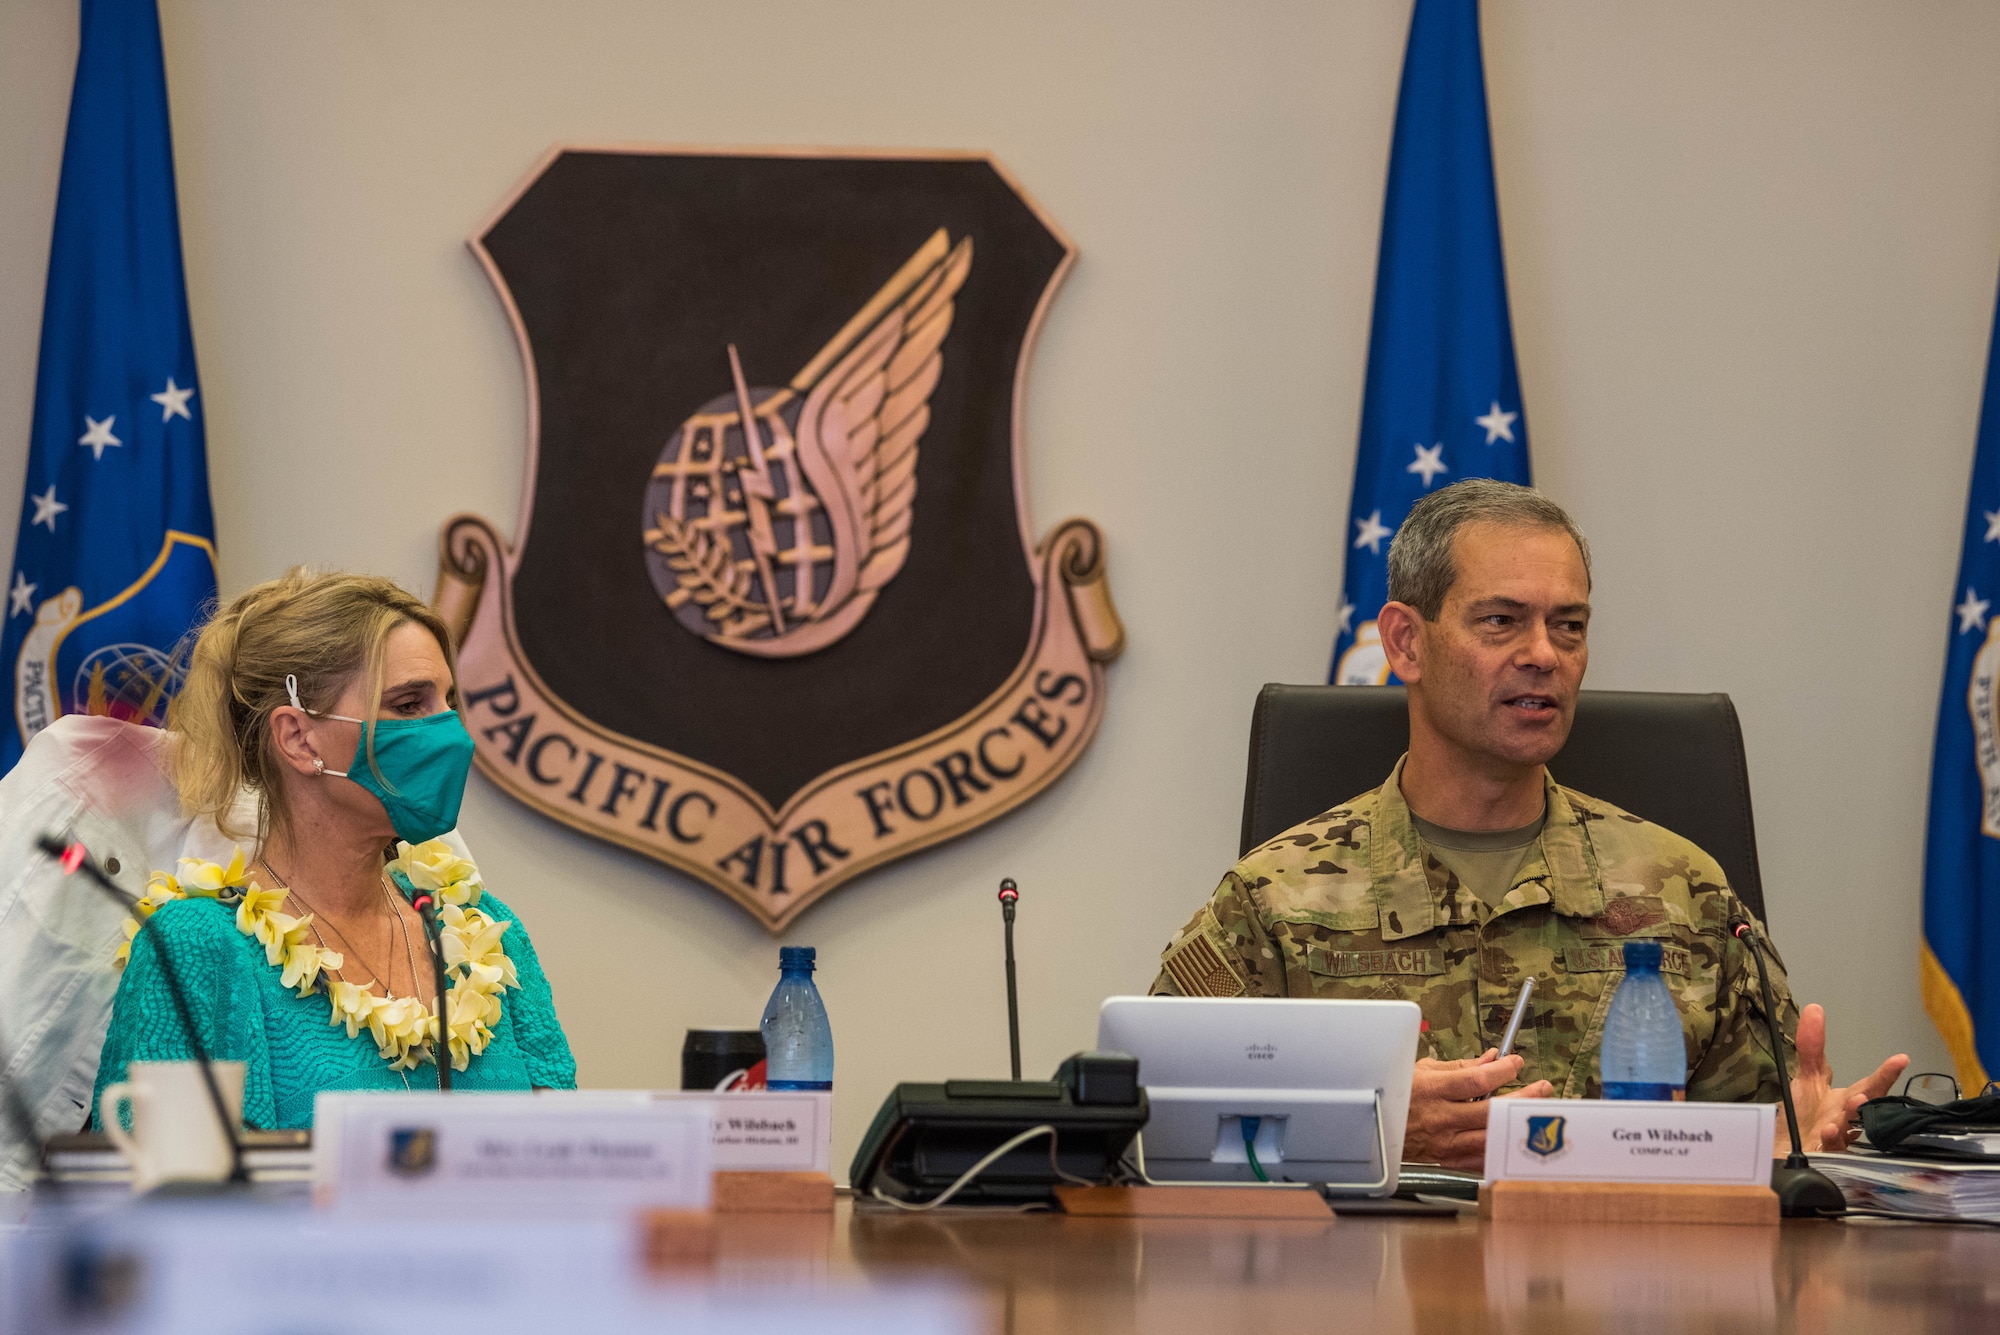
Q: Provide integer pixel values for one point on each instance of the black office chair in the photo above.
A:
(1675, 759)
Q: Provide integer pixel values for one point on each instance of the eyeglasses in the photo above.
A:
(1936, 1087)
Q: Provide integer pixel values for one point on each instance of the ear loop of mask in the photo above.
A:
(292, 690)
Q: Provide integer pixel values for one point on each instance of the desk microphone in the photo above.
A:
(73, 858)
(426, 907)
(1009, 896)
(1803, 1191)
(916, 1154)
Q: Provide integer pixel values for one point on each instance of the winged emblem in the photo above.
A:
(775, 516)
(874, 651)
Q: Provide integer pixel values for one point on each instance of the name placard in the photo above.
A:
(568, 1152)
(1614, 1140)
(780, 1131)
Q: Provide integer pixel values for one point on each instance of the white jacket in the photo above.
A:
(105, 783)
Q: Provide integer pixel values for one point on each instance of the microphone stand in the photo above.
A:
(426, 908)
(1803, 1191)
(21, 1119)
(74, 858)
(1009, 895)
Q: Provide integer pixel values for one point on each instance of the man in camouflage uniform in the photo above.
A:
(1471, 869)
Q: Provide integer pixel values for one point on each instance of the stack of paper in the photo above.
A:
(1928, 1188)
(89, 1159)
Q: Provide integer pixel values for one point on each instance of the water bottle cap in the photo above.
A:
(1642, 955)
(796, 957)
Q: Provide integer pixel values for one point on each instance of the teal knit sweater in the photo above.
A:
(286, 1043)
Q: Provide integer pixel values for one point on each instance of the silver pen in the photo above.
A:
(1520, 1013)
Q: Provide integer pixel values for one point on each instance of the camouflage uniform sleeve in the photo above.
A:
(1224, 951)
(1738, 1066)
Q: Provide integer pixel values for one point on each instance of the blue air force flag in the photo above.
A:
(115, 557)
(1960, 962)
(1442, 400)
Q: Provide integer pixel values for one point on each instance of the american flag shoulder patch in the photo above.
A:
(1200, 970)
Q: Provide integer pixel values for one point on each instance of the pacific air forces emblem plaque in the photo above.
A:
(773, 612)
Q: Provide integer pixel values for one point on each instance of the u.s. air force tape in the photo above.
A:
(1607, 959)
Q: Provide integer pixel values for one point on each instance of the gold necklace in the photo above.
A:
(406, 1032)
(409, 954)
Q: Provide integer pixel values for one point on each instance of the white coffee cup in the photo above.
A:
(174, 1135)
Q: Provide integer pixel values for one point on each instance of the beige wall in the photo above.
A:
(1752, 250)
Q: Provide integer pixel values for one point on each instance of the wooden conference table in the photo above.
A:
(1042, 1272)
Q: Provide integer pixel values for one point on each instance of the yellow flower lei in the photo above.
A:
(404, 1029)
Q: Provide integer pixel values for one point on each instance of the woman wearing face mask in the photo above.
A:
(317, 726)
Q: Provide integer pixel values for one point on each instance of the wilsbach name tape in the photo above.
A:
(584, 1152)
(1614, 1140)
(765, 1130)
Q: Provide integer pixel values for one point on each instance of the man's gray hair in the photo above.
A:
(1420, 567)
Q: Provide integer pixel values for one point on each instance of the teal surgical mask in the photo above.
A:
(423, 764)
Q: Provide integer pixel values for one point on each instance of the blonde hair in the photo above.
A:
(322, 628)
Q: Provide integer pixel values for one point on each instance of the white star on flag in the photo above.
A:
(21, 596)
(1346, 617)
(47, 507)
(1371, 533)
(97, 435)
(1992, 525)
(173, 401)
(1430, 462)
(1972, 612)
(1499, 425)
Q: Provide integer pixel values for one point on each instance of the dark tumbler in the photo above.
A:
(709, 1055)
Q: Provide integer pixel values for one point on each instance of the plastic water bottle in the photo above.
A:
(1643, 1055)
(798, 1041)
